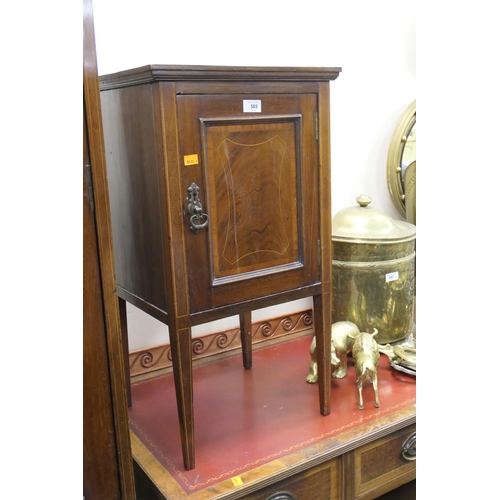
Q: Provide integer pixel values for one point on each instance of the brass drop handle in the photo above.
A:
(409, 448)
(281, 495)
(197, 220)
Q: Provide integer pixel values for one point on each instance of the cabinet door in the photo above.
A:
(254, 160)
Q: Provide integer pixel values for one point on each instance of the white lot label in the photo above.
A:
(250, 106)
(392, 276)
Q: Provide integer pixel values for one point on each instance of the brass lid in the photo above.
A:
(364, 223)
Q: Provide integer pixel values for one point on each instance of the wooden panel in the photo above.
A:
(407, 491)
(252, 178)
(171, 207)
(380, 467)
(251, 166)
(100, 465)
(107, 454)
(131, 157)
(319, 483)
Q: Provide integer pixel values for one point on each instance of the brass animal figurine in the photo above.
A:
(403, 357)
(342, 338)
(366, 357)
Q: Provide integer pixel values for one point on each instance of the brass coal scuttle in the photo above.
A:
(374, 271)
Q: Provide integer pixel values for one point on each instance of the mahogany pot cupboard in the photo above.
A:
(219, 186)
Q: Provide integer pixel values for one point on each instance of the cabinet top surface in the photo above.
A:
(161, 72)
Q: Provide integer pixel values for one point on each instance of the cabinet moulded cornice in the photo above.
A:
(155, 72)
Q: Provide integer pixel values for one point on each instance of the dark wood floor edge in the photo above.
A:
(153, 359)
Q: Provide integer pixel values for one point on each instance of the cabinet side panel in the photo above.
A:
(131, 157)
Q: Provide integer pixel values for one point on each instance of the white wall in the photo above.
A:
(373, 42)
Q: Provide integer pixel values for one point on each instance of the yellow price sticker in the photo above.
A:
(237, 481)
(190, 160)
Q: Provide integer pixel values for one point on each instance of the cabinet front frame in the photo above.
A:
(300, 277)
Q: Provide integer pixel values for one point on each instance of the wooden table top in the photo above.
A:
(258, 426)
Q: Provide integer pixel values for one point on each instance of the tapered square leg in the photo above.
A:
(246, 338)
(125, 348)
(322, 327)
(180, 343)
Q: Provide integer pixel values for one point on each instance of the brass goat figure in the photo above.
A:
(366, 357)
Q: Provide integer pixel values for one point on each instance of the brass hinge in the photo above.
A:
(319, 253)
(90, 187)
(317, 126)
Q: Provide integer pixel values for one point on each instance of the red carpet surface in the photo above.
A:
(245, 418)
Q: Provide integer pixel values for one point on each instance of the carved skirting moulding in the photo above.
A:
(151, 359)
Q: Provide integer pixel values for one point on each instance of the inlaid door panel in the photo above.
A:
(257, 179)
(252, 193)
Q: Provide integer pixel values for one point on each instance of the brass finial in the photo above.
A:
(363, 200)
